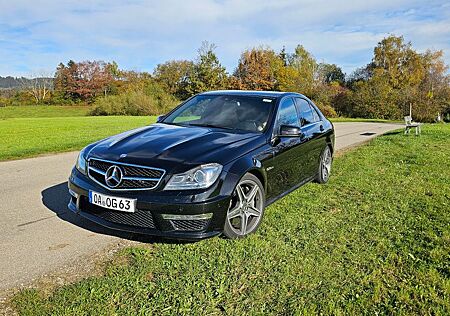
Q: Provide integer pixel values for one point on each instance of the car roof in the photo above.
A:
(269, 94)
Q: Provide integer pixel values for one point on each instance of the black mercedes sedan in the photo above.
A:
(210, 166)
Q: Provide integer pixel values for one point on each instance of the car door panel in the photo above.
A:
(288, 153)
(312, 127)
(316, 143)
(289, 163)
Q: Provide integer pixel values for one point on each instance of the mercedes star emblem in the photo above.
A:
(113, 176)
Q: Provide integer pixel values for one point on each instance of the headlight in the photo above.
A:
(81, 162)
(201, 177)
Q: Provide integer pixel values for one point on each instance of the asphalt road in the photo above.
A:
(38, 234)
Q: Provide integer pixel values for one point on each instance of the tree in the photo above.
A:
(85, 80)
(305, 71)
(434, 89)
(113, 69)
(39, 86)
(329, 73)
(93, 79)
(284, 56)
(207, 73)
(64, 81)
(258, 69)
(173, 76)
(398, 61)
(360, 74)
(374, 98)
(398, 77)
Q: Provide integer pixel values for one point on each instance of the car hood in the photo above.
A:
(170, 146)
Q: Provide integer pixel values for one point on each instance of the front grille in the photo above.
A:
(138, 184)
(142, 172)
(190, 225)
(139, 218)
(100, 165)
(133, 177)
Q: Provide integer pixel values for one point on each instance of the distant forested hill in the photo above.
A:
(9, 82)
(15, 82)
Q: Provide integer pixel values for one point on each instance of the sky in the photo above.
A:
(35, 36)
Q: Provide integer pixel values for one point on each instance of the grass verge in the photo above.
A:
(27, 137)
(375, 240)
(43, 111)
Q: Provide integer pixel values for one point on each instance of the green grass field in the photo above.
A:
(27, 137)
(375, 240)
(42, 111)
(33, 130)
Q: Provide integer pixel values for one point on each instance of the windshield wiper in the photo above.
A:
(210, 125)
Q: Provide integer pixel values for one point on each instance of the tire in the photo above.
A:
(326, 159)
(246, 207)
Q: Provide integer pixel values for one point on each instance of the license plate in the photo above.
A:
(112, 202)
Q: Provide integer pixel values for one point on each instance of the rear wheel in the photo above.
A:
(326, 159)
(246, 208)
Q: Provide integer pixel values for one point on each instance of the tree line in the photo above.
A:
(397, 78)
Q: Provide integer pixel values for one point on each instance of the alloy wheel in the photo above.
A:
(326, 164)
(246, 207)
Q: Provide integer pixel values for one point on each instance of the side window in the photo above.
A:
(315, 114)
(287, 114)
(306, 114)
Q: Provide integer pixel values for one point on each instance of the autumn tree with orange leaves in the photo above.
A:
(84, 80)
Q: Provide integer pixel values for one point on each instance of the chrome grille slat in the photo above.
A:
(135, 177)
(98, 170)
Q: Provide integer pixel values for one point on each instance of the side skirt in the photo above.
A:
(307, 180)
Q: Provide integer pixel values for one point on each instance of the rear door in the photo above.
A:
(312, 128)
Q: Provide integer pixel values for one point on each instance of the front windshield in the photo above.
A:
(224, 111)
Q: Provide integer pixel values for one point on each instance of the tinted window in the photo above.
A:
(287, 113)
(315, 114)
(306, 113)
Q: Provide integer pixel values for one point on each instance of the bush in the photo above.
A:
(4, 101)
(372, 99)
(326, 109)
(133, 103)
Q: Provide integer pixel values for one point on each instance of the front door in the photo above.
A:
(289, 152)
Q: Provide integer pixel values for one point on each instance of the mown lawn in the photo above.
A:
(33, 130)
(375, 240)
(77, 110)
(26, 137)
(43, 111)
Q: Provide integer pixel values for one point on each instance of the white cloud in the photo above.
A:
(140, 34)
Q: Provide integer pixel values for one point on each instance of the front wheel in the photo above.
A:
(326, 159)
(246, 208)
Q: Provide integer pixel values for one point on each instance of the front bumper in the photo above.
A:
(178, 215)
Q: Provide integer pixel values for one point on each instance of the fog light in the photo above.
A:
(187, 217)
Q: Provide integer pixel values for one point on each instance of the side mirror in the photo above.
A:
(290, 131)
(160, 118)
